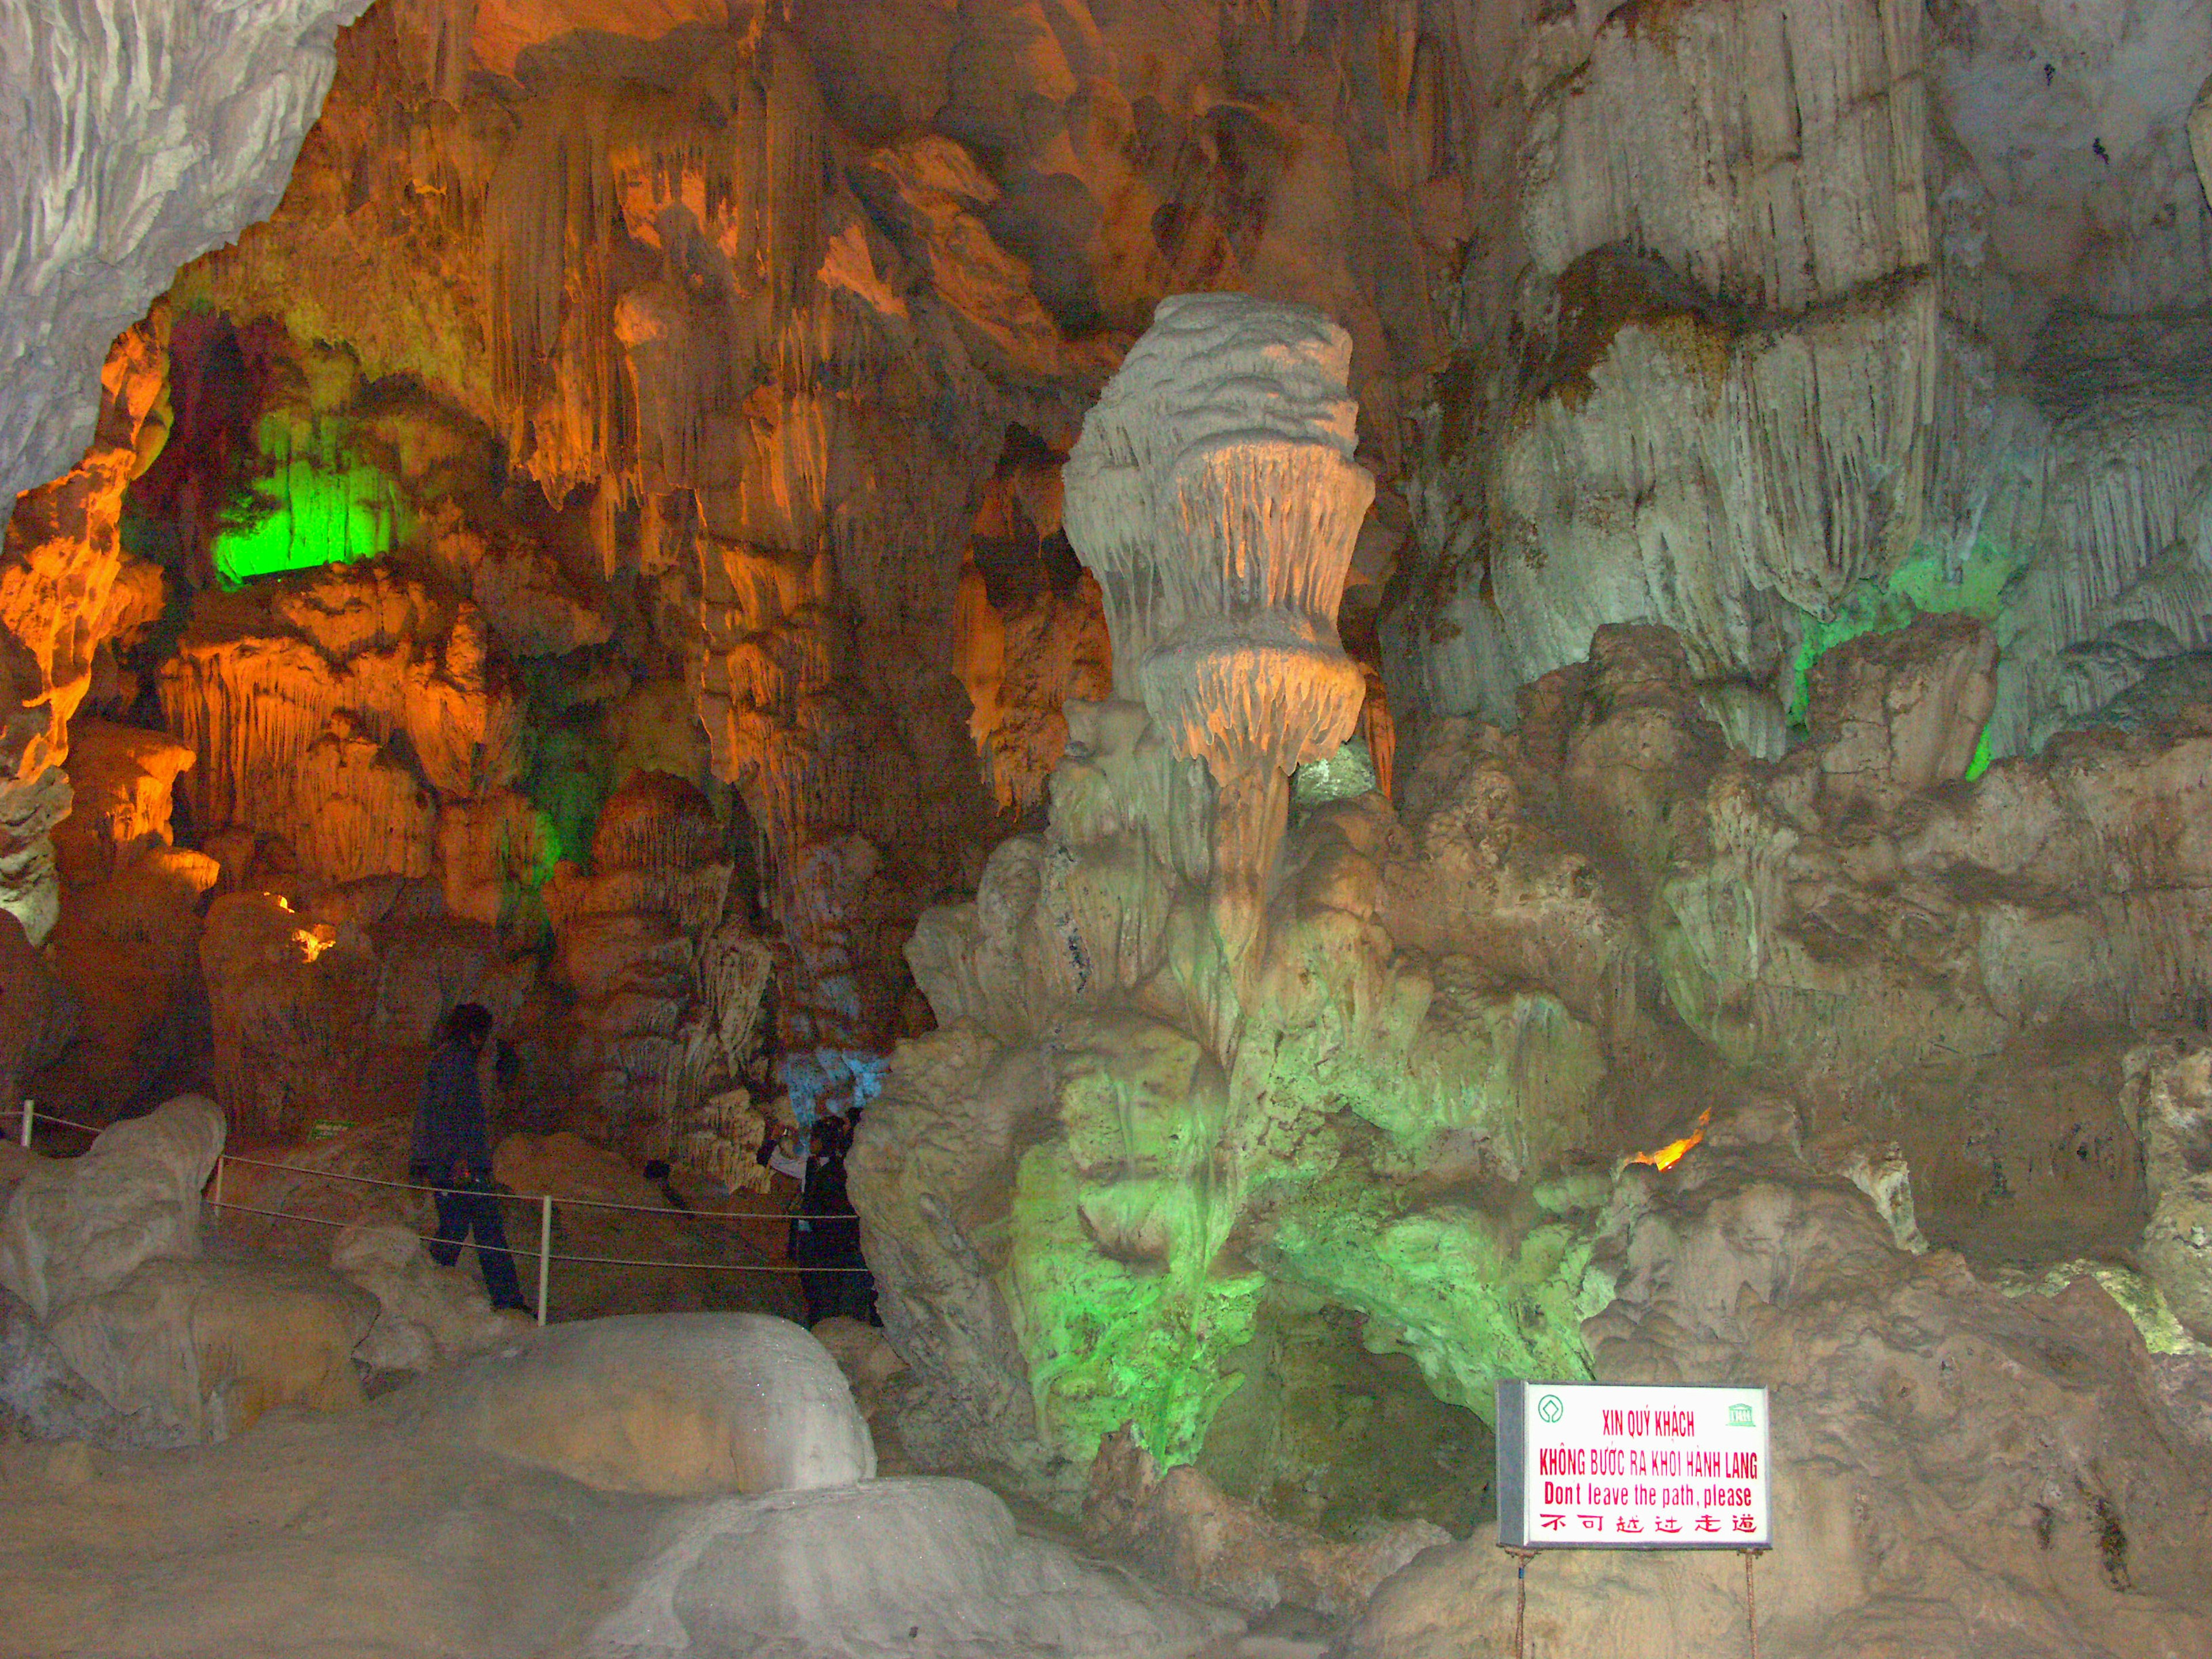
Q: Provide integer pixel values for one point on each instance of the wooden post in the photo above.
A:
(544, 1251)
(29, 1106)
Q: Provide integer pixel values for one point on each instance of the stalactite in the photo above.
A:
(1215, 477)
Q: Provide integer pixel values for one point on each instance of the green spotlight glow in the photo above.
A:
(1980, 764)
(317, 507)
(1917, 587)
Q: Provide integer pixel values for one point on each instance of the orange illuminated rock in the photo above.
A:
(122, 777)
(64, 554)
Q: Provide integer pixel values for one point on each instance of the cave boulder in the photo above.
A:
(77, 1228)
(207, 1347)
(926, 1566)
(675, 1405)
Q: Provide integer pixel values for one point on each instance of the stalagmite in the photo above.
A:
(1215, 496)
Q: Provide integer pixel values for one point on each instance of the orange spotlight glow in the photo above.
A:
(1673, 1152)
(314, 942)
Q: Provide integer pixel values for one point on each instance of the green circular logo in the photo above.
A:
(1551, 1408)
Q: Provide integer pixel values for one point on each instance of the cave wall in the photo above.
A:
(690, 400)
(143, 135)
(1836, 346)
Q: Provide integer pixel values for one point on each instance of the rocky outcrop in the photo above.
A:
(1214, 496)
(79, 1229)
(932, 1567)
(1149, 1023)
(673, 1405)
(106, 1251)
(142, 139)
(336, 714)
(2169, 1090)
(121, 782)
(427, 1315)
(668, 978)
(59, 576)
(1712, 383)
(1182, 1526)
(207, 1347)
(1924, 1524)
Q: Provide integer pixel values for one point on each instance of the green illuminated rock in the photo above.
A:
(1470, 1297)
(317, 506)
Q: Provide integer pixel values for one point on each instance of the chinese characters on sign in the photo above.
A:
(1603, 1465)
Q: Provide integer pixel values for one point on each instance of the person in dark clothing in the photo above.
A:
(825, 1238)
(451, 1152)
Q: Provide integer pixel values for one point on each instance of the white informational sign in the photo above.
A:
(1585, 1465)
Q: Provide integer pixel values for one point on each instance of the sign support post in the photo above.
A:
(1595, 1466)
(1521, 1601)
(1751, 1600)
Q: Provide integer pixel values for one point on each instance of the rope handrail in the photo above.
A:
(418, 1187)
(546, 1255)
(585, 1203)
(554, 1255)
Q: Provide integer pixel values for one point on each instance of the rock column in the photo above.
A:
(1214, 495)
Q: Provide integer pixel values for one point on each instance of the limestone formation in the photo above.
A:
(205, 1347)
(1587, 761)
(427, 1315)
(43, 1400)
(1214, 496)
(1718, 417)
(63, 561)
(121, 782)
(1134, 1084)
(1889, 1443)
(925, 1567)
(141, 138)
(1180, 1523)
(78, 1228)
(677, 1406)
(2171, 1093)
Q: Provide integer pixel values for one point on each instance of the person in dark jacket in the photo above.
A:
(825, 1238)
(452, 1152)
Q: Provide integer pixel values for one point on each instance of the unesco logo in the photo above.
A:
(1550, 1408)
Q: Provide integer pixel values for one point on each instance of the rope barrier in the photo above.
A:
(585, 1203)
(553, 1255)
(546, 1255)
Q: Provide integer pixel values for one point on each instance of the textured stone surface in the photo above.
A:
(43, 1398)
(1924, 1522)
(1182, 1526)
(77, 1228)
(677, 1405)
(926, 1566)
(2170, 1087)
(205, 1347)
(145, 134)
(427, 1315)
(60, 579)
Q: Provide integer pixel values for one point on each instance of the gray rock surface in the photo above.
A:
(42, 1398)
(137, 134)
(207, 1347)
(677, 1405)
(76, 1229)
(928, 1567)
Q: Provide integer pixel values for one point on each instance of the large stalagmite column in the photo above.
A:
(1215, 496)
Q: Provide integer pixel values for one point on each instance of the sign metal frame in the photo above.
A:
(1518, 1400)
